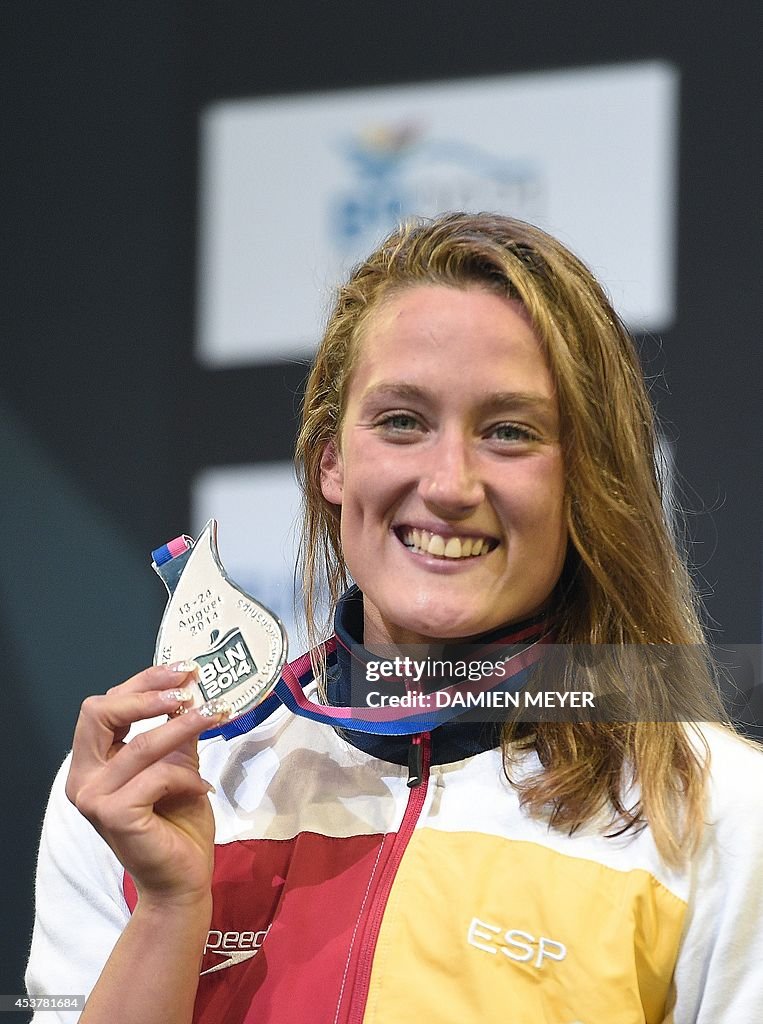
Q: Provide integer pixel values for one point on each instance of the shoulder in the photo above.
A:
(732, 841)
(717, 976)
(69, 844)
(735, 773)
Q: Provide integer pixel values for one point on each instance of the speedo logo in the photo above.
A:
(228, 663)
(236, 947)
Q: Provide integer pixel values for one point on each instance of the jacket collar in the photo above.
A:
(451, 741)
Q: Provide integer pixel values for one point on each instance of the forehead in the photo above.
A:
(448, 337)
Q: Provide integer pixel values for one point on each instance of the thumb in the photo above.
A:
(187, 754)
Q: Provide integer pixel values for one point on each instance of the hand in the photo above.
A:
(146, 797)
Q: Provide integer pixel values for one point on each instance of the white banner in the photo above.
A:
(295, 190)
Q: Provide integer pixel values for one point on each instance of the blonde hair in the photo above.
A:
(623, 583)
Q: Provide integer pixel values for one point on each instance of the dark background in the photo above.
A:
(100, 400)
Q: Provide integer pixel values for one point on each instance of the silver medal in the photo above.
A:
(239, 644)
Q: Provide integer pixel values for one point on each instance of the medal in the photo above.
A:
(238, 643)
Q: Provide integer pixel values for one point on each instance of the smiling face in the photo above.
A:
(448, 468)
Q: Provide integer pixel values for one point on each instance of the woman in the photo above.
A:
(478, 456)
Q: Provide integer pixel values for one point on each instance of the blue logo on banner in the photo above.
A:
(399, 172)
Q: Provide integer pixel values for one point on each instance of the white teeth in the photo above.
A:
(436, 545)
(454, 547)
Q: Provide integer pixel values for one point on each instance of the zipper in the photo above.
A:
(422, 743)
(416, 761)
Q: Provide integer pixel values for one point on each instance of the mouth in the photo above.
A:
(424, 542)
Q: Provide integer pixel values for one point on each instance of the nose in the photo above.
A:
(450, 484)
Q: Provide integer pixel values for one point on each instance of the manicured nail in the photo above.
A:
(184, 667)
(215, 708)
(177, 696)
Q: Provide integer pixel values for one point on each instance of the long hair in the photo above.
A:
(624, 582)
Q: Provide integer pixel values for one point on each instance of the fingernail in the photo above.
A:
(184, 667)
(210, 787)
(215, 708)
(177, 696)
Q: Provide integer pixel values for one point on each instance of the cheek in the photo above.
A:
(373, 477)
(537, 498)
(556, 533)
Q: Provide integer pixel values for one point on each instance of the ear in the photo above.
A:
(332, 474)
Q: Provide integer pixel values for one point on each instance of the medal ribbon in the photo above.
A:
(426, 715)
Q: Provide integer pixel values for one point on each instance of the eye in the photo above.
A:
(398, 423)
(512, 432)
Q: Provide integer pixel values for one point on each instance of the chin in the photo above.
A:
(445, 627)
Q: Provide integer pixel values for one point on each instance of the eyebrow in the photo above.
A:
(493, 401)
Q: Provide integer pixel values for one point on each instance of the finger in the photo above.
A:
(158, 677)
(147, 748)
(105, 719)
(131, 810)
(177, 676)
(186, 753)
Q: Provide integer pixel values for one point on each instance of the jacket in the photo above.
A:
(344, 896)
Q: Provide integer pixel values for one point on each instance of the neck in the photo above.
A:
(379, 635)
(354, 626)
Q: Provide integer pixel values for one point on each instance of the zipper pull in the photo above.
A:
(415, 762)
